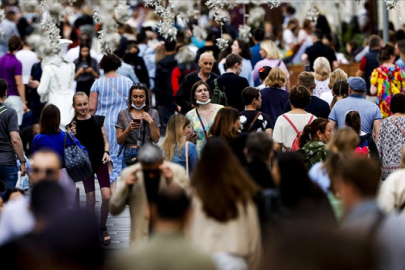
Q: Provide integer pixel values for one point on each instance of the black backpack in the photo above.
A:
(218, 95)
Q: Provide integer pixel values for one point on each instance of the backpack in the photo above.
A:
(363, 149)
(218, 95)
(296, 143)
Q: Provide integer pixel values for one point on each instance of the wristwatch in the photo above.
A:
(108, 152)
(23, 162)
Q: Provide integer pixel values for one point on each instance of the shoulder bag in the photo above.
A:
(77, 163)
(254, 121)
(202, 124)
(116, 90)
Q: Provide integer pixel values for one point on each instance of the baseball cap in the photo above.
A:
(357, 84)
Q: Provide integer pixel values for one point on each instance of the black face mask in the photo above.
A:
(151, 185)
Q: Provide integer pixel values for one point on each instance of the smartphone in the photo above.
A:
(85, 66)
(136, 121)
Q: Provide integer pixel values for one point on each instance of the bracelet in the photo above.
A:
(108, 152)
(23, 162)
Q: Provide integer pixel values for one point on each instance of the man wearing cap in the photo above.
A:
(9, 28)
(370, 114)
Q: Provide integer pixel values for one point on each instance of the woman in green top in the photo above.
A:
(313, 141)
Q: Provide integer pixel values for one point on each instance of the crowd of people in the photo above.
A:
(223, 162)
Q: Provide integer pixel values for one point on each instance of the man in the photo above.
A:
(258, 36)
(319, 49)
(205, 63)
(251, 119)
(370, 114)
(167, 248)
(10, 141)
(369, 62)
(384, 233)
(140, 184)
(16, 218)
(317, 106)
(231, 82)
(400, 47)
(9, 29)
(27, 58)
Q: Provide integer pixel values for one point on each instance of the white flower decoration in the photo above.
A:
(264, 124)
(242, 119)
(259, 130)
(260, 117)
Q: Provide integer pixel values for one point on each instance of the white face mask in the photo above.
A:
(203, 102)
(140, 107)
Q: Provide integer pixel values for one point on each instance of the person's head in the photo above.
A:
(110, 62)
(12, 194)
(46, 165)
(84, 52)
(317, 35)
(353, 120)
(251, 96)
(80, 104)
(226, 124)
(337, 75)
(322, 69)
(151, 157)
(206, 63)
(307, 79)
(50, 120)
(221, 182)
(344, 140)
(3, 88)
(340, 90)
(259, 147)
(292, 24)
(357, 85)
(141, 38)
(14, 44)
(210, 35)
(319, 130)
(397, 103)
(269, 50)
(401, 48)
(200, 92)
(264, 72)
(11, 14)
(374, 42)
(241, 47)
(386, 54)
(139, 97)
(170, 45)
(277, 78)
(299, 97)
(358, 181)
(307, 25)
(258, 35)
(177, 128)
(234, 62)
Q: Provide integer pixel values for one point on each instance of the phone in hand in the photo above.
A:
(85, 66)
(136, 121)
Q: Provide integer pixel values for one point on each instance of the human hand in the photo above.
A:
(23, 169)
(33, 84)
(81, 70)
(106, 158)
(191, 137)
(147, 117)
(132, 126)
(167, 173)
(25, 108)
(89, 69)
(132, 179)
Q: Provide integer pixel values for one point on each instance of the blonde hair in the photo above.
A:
(271, 49)
(337, 75)
(78, 94)
(174, 135)
(276, 78)
(345, 140)
(322, 69)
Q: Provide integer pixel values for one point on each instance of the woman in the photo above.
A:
(340, 91)
(90, 131)
(272, 58)
(392, 136)
(313, 141)
(226, 125)
(225, 221)
(131, 57)
(288, 125)
(136, 125)
(203, 115)
(86, 70)
(273, 96)
(322, 74)
(109, 96)
(52, 137)
(337, 75)
(175, 144)
(387, 80)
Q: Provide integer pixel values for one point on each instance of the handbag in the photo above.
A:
(77, 162)
(133, 159)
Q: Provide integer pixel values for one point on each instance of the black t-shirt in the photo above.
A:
(317, 107)
(317, 50)
(262, 123)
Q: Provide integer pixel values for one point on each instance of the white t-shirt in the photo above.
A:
(288, 38)
(327, 96)
(284, 133)
(28, 59)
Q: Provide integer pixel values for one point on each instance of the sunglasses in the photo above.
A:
(139, 85)
(48, 172)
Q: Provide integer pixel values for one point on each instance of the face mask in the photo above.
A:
(140, 107)
(203, 103)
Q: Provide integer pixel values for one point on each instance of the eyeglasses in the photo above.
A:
(48, 172)
(138, 85)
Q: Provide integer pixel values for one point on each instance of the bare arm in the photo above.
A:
(277, 147)
(335, 64)
(18, 149)
(359, 73)
(377, 124)
(106, 143)
(78, 73)
(332, 123)
(304, 59)
(269, 131)
(21, 90)
(288, 85)
(93, 102)
(122, 135)
(373, 90)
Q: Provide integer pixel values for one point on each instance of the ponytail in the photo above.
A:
(305, 135)
(310, 131)
(353, 120)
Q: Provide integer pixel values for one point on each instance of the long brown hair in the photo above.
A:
(50, 120)
(224, 122)
(221, 183)
(174, 135)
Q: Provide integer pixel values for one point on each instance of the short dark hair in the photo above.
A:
(264, 72)
(385, 53)
(14, 43)
(259, 146)
(141, 37)
(47, 199)
(300, 96)
(291, 10)
(3, 87)
(109, 63)
(374, 41)
(398, 103)
(172, 203)
(249, 94)
(259, 34)
(307, 79)
(50, 120)
(170, 45)
(318, 33)
(194, 88)
(233, 59)
(139, 86)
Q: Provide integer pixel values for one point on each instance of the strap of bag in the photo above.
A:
(291, 123)
(400, 129)
(310, 119)
(202, 124)
(216, 82)
(70, 136)
(115, 89)
(187, 157)
(254, 121)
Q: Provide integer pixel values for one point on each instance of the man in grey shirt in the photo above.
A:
(10, 141)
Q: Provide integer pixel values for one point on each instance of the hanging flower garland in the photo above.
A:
(121, 12)
(220, 18)
(244, 32)
(2, 17)
(274, 3)
(199, 32)
(392, 4)
(313, 14)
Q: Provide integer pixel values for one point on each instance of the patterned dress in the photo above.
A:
(313, 152)
(109, 104)
(389, 81)
(197, 127)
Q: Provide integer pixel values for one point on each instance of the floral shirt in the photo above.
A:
(321, 87)
(389, 81)
(313, 152)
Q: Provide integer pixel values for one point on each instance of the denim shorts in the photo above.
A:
(9, 175)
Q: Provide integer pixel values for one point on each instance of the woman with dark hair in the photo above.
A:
(86, 70)
(225, 220)
(313, 141)
(52, 137)
(109, 95)
(131, 57)
(203, 115)
(340, 91)
(387, 80)
(137, 124)
(392, 136)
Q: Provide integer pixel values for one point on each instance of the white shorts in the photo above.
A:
(15, 102)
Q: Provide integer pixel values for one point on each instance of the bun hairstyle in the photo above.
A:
(340, 89)
(353, 120)
(310, 131)
(385, 53)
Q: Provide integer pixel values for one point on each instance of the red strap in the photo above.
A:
(291, 123)
(202, 124)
